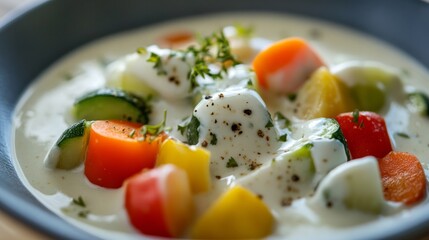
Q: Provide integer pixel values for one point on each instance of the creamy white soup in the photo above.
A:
(251, 147)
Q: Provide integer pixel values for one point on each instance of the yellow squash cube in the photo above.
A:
(323, 95)
(193, 160)
(237, 214)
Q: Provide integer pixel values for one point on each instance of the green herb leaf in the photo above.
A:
(214, 139)
(403, 135)
(79, 201)
(355, 115)
(155, 130)
(132, 133)
(204, 56)
(278, 116)
(158, 65)
(141, 50)
(83, 214)
(192, 132)
(269, 124)
(292, 96)
(245, 32)
(283, 138)
(231, 163)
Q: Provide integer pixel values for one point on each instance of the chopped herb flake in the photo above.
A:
(83, 214)
(278, 116)
(283, 138)
(156, 59)
(214, 139)
(355, 115)
(141, 50)
(155, 130)
(242, 31)
(269, 124)
(192, 133)
(292, 97)
(231, 163)
(403, 135)
(79, 201)
(132, 133)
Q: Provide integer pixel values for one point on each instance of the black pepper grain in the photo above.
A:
(247, 112)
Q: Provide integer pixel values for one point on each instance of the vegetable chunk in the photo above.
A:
(193, 160)
(345, 187)
(323, 95)
(403, 178)
(237, 214)
(285, 65)
(118, 150)
(159, 201)
(70, 149)
(366, 134)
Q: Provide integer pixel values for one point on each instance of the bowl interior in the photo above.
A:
(33, 38)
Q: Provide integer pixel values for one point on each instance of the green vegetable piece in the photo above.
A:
(111, 104)
(355, 185)
(419, 102)
(70, 149)
(320, 128)
(369, 97)
(372, 84)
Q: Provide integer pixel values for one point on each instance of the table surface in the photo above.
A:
(11, 228)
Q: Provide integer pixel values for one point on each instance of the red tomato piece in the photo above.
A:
(366, 134)
(159, 201)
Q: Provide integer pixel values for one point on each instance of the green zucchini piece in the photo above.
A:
(107, 103)
(70, 149)
(419, 102)
(354, 185)
(320, 128)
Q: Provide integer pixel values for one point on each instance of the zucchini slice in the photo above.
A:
(108, 104)
(419, 102)
(320, 128)
(70, 149)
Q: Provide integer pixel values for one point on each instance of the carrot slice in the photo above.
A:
(175, 39)
(403, 178)
(116, 151)
(285, 65)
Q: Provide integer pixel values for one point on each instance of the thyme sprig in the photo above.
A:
(154, 131)
(158, 64)
(212, 49)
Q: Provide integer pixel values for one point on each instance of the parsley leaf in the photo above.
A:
(155, 130)
(158, 65)
(283, 138)
(79, 201)
(355, 116)
(403, 135)
(214, 139)
(231, 163)
(269, 124)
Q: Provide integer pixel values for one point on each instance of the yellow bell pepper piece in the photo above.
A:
(193, 160)
(237, 214)
(323, 95)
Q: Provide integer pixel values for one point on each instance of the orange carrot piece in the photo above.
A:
(175, 39)
(116, 151)
(285, 65)
(403, 178)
